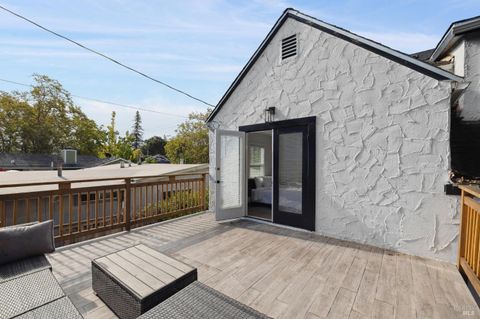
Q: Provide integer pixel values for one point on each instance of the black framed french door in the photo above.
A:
(293, 200)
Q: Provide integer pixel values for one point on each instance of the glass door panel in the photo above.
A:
(290, 174)
(230, 174)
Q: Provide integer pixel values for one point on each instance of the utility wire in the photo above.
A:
(105, 102)
(104, 56)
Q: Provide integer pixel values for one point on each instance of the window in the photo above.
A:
(256, 160)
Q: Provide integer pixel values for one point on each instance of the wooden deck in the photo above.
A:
(281, 272)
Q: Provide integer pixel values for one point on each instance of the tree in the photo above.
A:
(191, 141)
(137, 131)
(154, 145)
(45, 120)
(14, 128)
(111, 146)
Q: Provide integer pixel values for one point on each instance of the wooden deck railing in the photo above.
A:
(469, 243)
(84, 212)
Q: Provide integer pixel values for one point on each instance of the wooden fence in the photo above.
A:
(84, 212)
(469, 243)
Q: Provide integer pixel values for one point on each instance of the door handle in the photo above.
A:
(218, 182)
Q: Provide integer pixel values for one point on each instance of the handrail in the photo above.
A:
(79, 213)
(468, 261)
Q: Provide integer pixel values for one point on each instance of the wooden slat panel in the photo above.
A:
(96, 209)
(60, 215)
(470, 235)
(15, 208)
(157, 200)
(119, 205)
(202, 192)
(467, 234)
(104, 208)
(153, 206)
(134, 211)
(70, 213)
(39, 206)
(140, 199)
(139, 273)
(88, 211)
(475, 243)
(27, 201)
(128, 279)
(79, 212)
(111, 208)
(463, 222)
(172, 271)
(163, 258)
(153, 269)
(167, 198)
(50, 208)
(146, 202)
(177, 196)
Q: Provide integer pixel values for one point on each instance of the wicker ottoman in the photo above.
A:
(134, 280)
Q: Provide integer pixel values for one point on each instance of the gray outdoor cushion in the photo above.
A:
(21, 241)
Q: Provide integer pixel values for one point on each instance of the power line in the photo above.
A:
(105, 102)
(104, 56)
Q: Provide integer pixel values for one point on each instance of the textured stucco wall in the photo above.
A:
(382, 139)
(470, 101)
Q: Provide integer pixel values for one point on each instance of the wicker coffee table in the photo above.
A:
(136, 279)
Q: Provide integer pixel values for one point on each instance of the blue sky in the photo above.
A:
(198, 46)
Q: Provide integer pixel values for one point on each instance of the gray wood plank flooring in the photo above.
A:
(281, 272)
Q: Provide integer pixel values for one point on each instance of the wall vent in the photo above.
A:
(289, 46)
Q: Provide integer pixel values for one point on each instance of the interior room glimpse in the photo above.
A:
(259, 168)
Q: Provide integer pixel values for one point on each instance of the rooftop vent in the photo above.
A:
(289, 46)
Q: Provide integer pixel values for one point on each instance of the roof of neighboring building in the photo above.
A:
(387, 52)
(456, 30)
(161, 159)
(44, 161)
(36, 181)
(423, 55)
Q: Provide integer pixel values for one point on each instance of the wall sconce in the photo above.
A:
(269, 114)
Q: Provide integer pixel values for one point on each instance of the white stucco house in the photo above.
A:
(331, 132)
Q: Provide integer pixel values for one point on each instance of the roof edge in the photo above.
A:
(387, 52)
(453, 34)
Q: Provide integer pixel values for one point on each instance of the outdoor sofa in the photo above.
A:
(28, 288)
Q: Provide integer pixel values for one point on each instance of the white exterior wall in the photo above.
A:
(382, 139)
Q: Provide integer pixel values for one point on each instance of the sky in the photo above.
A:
(197, 46)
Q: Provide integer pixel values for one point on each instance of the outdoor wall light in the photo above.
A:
(269, 114)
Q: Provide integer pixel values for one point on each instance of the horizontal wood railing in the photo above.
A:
(469, 243)
(81, 212)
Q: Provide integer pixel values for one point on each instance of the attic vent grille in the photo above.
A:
(289, 46)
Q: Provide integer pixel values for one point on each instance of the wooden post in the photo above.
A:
(202, 192)
(127, 203)
(461, 241)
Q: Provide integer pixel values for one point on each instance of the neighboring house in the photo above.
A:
(459, 52)
(158, 159)
(68, 157)
(331, 132)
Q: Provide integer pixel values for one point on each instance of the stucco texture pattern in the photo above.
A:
(382, 139)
